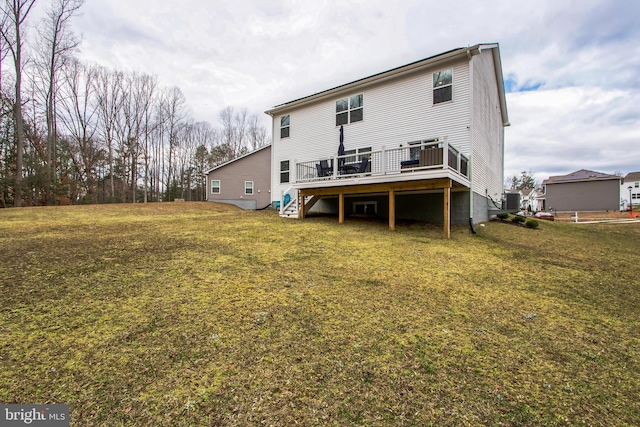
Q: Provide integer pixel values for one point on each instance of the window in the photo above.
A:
(356, 156)
(442, 86)
(360, 154)
(284, 171)
(637, 184)
(215, 186)
(284, 126)
(365, 208)
(349, 110)
(248, 188)
(414, 152)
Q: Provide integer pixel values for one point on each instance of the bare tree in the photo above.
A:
(78, 113)
(56, 43)
(228, 136)
(15, 13)
(257, 133)
(108, 96)
(240, 125)
(174, 112)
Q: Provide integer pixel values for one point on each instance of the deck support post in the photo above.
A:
(341, 208)
(447, 211)
(392, 210)
(301, 204)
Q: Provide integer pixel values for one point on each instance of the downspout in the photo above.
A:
(470, 165)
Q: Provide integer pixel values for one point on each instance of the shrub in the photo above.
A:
(503, 216)
(518, 219)
(532, 223)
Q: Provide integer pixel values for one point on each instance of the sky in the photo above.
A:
(572, 67)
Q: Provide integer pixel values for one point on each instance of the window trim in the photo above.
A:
(251, 188)
(219, 186)
(350, 109)
(287, 171)
(287, 127)
(434, 88)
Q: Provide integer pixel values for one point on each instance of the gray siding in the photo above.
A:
(255, 167)
(603, 195)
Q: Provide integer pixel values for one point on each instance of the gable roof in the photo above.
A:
(526, 191)
(632, 176)
(578, 176)
(459, 53)
(236, 159)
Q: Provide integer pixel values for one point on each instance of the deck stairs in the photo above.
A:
(292, 209)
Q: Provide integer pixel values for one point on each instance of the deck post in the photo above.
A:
(383, 161)
(445, 153)
(447, 212)
(341, 208)
(301, 204)
(392, 210)
(281, 202)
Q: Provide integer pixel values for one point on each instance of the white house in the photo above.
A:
(632, 179)
(532, 199)
(421, 141)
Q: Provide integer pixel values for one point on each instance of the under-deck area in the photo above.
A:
(390, 190)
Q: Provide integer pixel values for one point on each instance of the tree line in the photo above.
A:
(73, 132)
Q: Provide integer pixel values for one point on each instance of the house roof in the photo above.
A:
(462, 52)
(632, 176)
(526, 191)
(577, 176)
(236, 159)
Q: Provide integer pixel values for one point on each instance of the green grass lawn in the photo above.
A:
(185, 314)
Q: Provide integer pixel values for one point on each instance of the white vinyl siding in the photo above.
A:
(487, 132)
(397, 112)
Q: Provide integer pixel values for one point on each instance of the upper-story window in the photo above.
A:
(349, 110)
(285, 124)
(442, 86)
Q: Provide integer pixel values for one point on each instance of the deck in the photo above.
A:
(418, 166)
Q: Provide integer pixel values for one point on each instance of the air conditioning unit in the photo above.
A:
(511, 202)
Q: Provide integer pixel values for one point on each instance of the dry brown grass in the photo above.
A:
(190, 314)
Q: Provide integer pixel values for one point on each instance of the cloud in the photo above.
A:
(562, 130)
(570, 66)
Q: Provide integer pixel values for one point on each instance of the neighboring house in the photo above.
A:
(422, 141)
(532, 199)
(632, 180)
(244, 181)
(525, 201)
(537, 200)
(583, 190)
